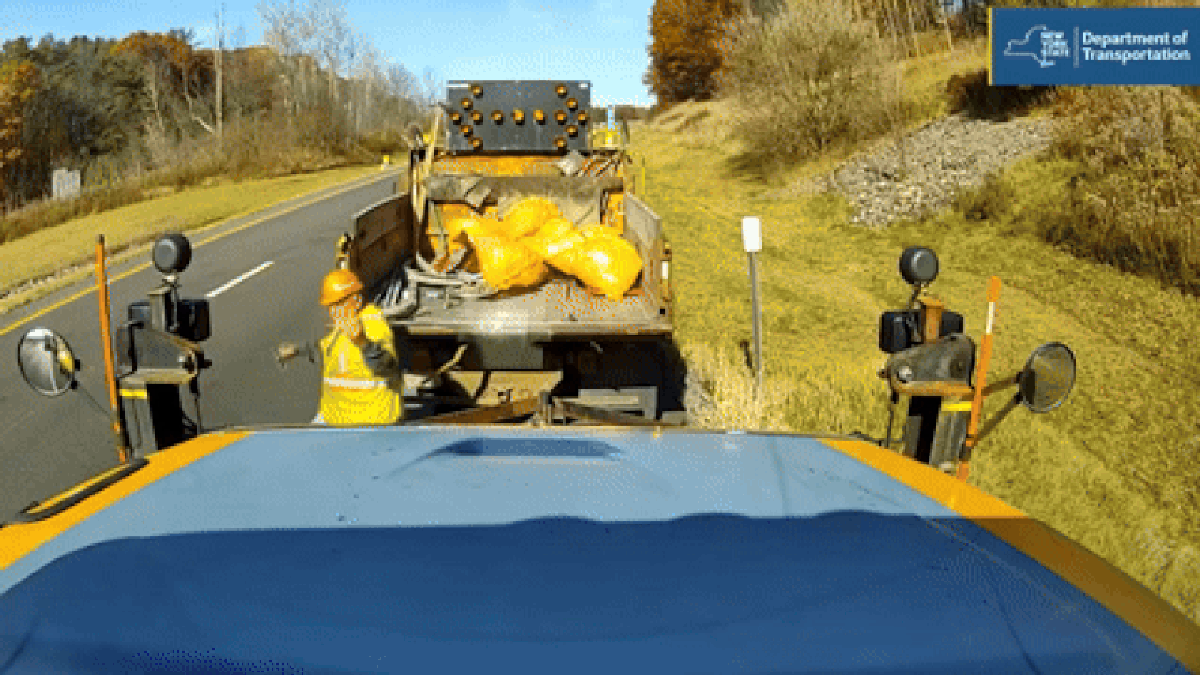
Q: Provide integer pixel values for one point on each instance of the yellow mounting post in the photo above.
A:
(110, 378)
(985, 356)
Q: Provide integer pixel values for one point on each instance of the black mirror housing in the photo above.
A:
(918, 265)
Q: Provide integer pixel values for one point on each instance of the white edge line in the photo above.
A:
(230, 284)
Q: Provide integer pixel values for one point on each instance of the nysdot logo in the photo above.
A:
(1041, 45)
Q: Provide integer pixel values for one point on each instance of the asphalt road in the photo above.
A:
(50, 444)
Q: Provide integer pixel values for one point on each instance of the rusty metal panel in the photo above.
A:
(486, 415)
(594, 415)
(501, 386)
(643, 229)
(383, 233)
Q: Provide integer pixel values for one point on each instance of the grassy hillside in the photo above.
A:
(1115, 469)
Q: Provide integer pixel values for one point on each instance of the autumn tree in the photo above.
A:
(19, 82)
(685, 48)
(334, 84)
(116, 108)
(85, 106)
(172, 73)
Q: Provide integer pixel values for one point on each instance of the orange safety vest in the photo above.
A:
(350, 393)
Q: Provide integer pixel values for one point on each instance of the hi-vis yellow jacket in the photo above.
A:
(351, 393)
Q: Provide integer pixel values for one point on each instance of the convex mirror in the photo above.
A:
(46, 361)
(1048, 377)
(918, 265)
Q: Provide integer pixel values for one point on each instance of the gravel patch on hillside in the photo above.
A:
(921, 174)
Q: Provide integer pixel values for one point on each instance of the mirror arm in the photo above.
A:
(1000, 385)
(913, 301)
(996, 419)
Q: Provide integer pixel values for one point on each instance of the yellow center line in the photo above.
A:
(138, 268)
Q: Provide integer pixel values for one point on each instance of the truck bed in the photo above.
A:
(561, 307)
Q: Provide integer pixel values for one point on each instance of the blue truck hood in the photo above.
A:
(582, 550)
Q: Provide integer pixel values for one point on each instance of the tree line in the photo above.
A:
(118, 108)
(691, 40)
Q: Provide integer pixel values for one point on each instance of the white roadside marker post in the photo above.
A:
(752, 242)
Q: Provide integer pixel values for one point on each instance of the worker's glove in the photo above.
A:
(286, 351)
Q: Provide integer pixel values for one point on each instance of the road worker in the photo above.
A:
(361, 378)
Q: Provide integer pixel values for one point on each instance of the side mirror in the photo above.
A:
(918, 265)
(171, 253)
(1048, 377)
(47, 362)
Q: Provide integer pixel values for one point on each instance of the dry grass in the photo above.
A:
(808, 80)
(726, 398)
(925, 78)
(1136, 202)
(251, 148)
(1120, 186)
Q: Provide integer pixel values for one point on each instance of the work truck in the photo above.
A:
(492, 145)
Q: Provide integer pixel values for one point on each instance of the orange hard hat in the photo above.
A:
(338, 285)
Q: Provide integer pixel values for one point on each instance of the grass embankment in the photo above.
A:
(1116, 468)
(57, 248)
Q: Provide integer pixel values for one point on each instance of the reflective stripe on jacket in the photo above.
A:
(350, 392)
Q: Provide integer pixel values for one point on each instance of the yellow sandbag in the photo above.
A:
(483, 226)
(554, 241)
(608, 264)
(534, 275)
(505, 264)
(528, 216)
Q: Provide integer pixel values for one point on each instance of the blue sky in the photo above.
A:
(599, 40)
